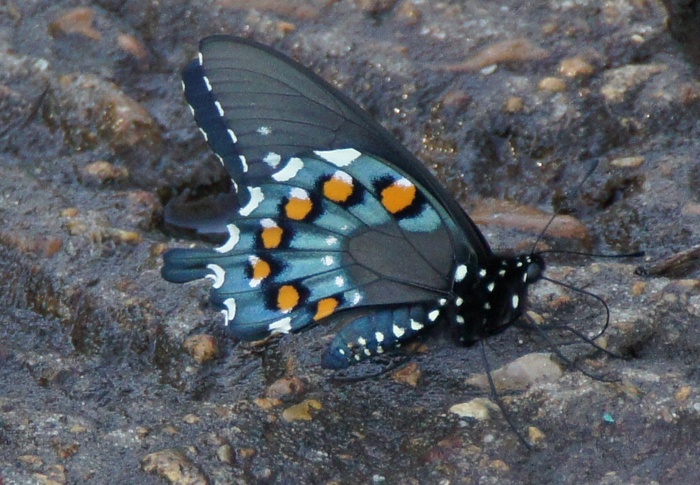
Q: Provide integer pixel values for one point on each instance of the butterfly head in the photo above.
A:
(489, 301)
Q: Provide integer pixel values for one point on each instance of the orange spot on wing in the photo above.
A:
(398, 196)
(261, 269)
(272, 237)
(287, 298)
(325, 307)
(338, 189)
(298, 209)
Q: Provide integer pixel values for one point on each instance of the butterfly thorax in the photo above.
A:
(493, 298)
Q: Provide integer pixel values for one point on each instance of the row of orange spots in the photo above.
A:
(339, 187)
(398, 196)
(289, 297)
(299, 205)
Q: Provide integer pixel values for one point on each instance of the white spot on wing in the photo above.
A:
(206, 81)
(219, 108)
(282, 325)
(490, 287)
(256, 197)
(199, 58)
(234, 139)
(204, 134)
(339, 281)
(515, 302)
(272, 159)
(361, 341)
(298, 193)
(234, 235)
(331, 240)
(404, 182)
(230, 311)
(416, 325)
(398, 331)
(341, 157)
(432, 316)
(328, 260)
(218, 275)
(264, 130)
(460, 319)
(379, 336)
(244, 163)
(290, 170)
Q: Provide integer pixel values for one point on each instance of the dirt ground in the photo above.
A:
(109, 374)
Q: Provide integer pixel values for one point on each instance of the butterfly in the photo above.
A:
(334, 221)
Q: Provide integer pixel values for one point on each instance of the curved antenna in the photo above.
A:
(497, 399)
(589, 294)
(636, 254)
(555, 350)
(577, 189)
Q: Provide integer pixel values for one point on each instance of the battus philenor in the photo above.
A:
(335, 221)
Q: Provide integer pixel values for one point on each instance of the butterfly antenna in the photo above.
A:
(555, 350)
(589, 294)
(589, 172)
(497, 399)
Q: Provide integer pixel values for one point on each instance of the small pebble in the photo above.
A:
(552, 85)
(574, 67)
(478, 408)
(76, 21)
(301, 411)
(514, 50)
(628, 162)
(202, 348)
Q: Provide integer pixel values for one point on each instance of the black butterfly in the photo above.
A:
(335, 220)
